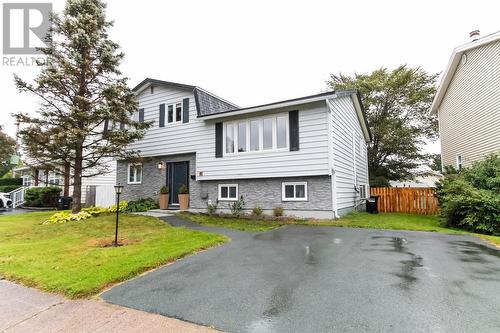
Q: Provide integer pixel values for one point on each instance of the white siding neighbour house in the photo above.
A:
(468, 103)
(286, 154)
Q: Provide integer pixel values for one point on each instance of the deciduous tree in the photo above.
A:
(397, 105)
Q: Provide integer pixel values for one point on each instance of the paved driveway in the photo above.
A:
(325, 279)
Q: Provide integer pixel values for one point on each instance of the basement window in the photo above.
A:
(228, 192)
(294, 191)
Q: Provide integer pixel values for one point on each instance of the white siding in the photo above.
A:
(469, 115)
(174, 138)
(346, 137)
(310, 159)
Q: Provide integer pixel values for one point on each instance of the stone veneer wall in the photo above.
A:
(263, 192)
(153, 178)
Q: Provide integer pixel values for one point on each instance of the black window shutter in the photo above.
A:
(293, 118)
(141, 115)
(106, 127)
(162, 115)
(185, 110)
(218, 140)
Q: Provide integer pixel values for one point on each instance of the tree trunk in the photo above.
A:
(77, 183)
(46, 177)
(35, 175)
(67, 178)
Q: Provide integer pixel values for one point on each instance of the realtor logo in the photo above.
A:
(25, 26)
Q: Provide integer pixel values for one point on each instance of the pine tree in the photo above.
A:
(86, 111)
(7, 149)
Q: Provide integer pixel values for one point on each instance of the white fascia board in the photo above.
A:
(453, 63)
(268, 107)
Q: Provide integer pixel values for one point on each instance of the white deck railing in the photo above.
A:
(17, 196)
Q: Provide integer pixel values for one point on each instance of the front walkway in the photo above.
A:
(25, 309)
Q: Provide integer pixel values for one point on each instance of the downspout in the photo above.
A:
(333, 184)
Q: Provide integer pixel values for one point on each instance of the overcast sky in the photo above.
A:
(253, 52)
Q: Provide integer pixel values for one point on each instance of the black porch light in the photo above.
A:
(118, 191)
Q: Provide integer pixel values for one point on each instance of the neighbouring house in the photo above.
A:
(307, 155)
(96, 190)
(427, 178)
(467, 102)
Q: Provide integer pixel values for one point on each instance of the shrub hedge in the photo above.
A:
(8, 188)
(141, 205)
(42, 196)
(470, 198)
(11, 181)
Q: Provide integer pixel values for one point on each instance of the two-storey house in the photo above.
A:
(467, 102)
(307, 155)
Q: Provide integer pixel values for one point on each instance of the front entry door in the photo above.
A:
(177, 175)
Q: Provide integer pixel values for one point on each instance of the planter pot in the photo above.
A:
(164, 201)
(183, 201)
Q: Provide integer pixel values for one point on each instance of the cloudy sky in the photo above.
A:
(253, 52)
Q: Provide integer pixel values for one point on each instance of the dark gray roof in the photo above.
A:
(206, 103)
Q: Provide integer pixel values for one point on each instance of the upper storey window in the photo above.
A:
(256, 134)
(174, 113)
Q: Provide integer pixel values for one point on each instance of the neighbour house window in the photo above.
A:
(134, 173)
(55, 178)
(460, 162)
(294, 191)
(256, 134)
(27, 180)
(362, 191)
(228, 192)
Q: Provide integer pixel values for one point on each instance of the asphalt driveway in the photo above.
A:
(325, 279)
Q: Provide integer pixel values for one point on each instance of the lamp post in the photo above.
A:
(118, 191)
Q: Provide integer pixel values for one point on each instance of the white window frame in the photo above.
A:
(174, 121)
(460, 164)
(228, 198)
(261, 150)
(284, 198)
(365, 190)
(28, 180)
(135, 173)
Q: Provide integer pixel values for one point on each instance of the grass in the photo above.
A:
(70, 258)
(241, 224)
(391, 221)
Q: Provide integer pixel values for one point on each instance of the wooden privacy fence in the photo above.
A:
(412, 200)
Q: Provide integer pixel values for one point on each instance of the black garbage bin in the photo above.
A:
(64, 203)
(371, 204)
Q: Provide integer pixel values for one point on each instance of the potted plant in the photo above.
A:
(164, 191)
(183, 197)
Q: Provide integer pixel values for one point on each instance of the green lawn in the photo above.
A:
(70, 258)
(233, 223)
(394, 221)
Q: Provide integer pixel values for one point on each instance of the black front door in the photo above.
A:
(177, 175)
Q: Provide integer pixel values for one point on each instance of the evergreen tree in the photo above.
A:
(86, 110)
(7, 149)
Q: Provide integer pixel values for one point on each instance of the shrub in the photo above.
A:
(141, 205)
(123, 207)
(211, 207)
(64, 217)
(42, 196)
(237, 206)
(470, 199)
(183, 189)
(8, 188)
(11, 181)
(257, 211)
(278, 211)
(164, 189)
(95, 211)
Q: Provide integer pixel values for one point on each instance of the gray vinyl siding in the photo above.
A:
(469, 115)
(310, 160)
(345, 124)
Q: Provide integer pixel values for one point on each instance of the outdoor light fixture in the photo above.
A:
(118, 191)
(161, 165)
